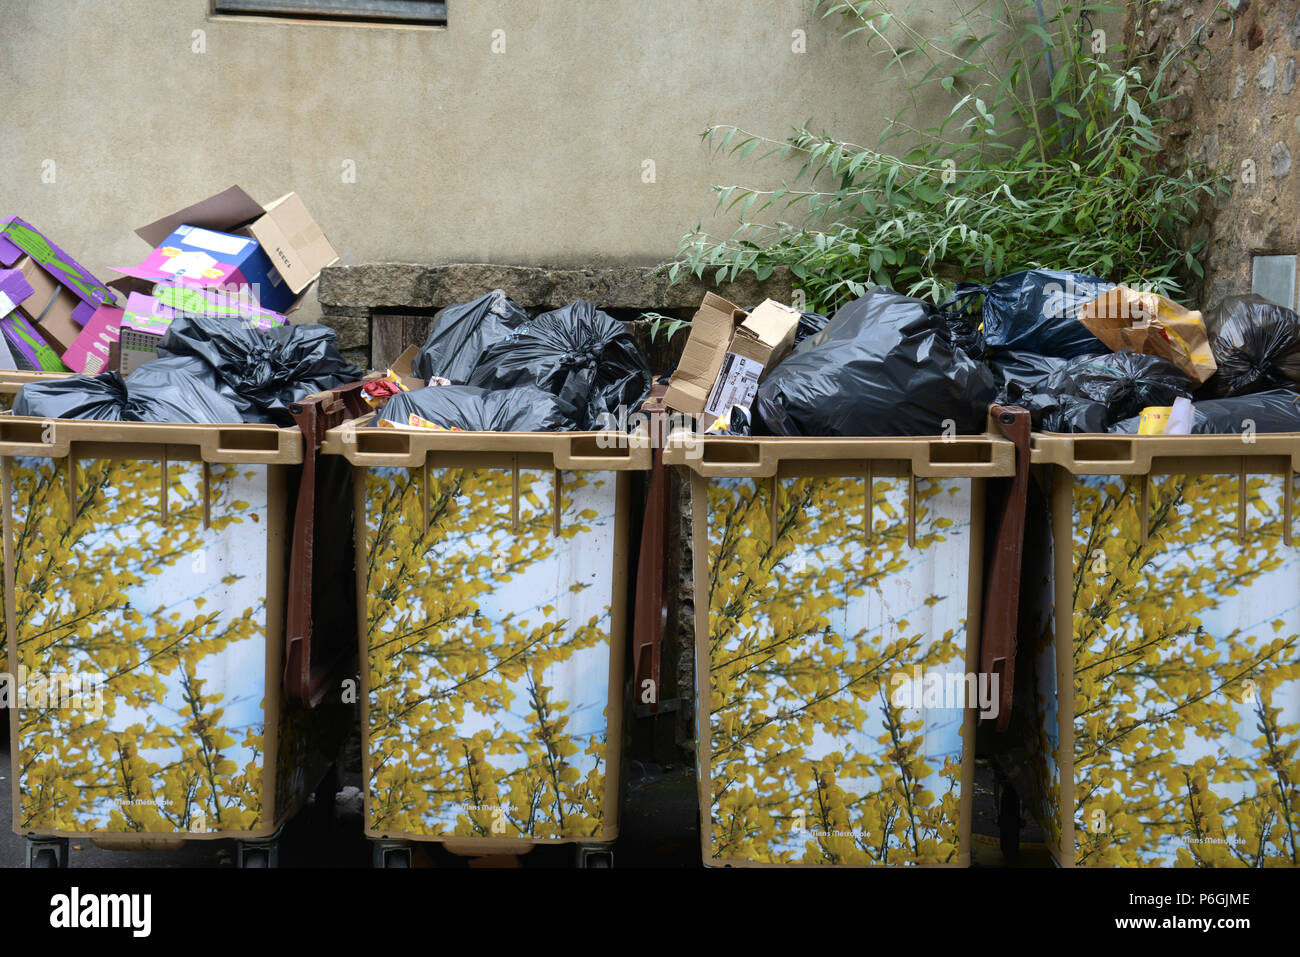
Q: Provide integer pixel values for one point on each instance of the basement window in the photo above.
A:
(353, 11)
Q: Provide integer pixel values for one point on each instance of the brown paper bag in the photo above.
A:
(1152, 325)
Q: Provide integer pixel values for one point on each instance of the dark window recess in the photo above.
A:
(373, 11)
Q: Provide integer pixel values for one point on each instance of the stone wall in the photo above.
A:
(1237, 107)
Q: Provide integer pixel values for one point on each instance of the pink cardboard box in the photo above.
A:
(92, 352)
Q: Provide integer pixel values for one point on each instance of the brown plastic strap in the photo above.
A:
(1006, 511)
(306, 678)
(651, 603)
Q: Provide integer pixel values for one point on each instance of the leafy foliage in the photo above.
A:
(1049, 155)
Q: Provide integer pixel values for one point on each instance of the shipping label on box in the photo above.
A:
(736, 386)
(727, 354)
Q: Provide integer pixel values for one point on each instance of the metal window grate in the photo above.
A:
(374, 11)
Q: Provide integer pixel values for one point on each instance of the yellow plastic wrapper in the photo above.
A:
(1152, 325)
(1154, 419)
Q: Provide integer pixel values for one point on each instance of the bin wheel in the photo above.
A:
(595, 857)
(261, 855)
(47, 852)
(1009, 822)
(387, 856)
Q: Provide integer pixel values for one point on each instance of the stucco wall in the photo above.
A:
(534, 155)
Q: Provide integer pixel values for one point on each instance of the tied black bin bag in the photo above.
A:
(1038, 311)
(1091, 393)
(886, 364)
(469, 409)
(262, 373)
(1256, 344)
(578, 354)
(166, 390)
(462, 332)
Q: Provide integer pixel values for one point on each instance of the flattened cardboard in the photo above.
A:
(226, 211)
(19, 239)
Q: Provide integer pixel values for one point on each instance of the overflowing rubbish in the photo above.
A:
(580, 355)
(1038, 311)
(1090, 393)
(464, 408)
(462, 333)
(885, 364)
(727, 354)
(262, 371)
(1277, 410)
(1147, 323)
(1257, 345)
(169, 390)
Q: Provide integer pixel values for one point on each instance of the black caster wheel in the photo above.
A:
(47, 854)
(1009, 823)
(392, 856)
(261, 855)
(595, 857)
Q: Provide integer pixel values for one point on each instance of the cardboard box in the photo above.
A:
(29, 350)
(727, 354)
(295, 247)
(147, 318)
(14, 288)
(23, 246)
(95, 349)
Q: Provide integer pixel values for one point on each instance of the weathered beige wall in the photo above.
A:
(534, 155)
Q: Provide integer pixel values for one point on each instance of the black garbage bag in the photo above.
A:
(469, 409)
(1091, 393)
(1257, 346)
(101, 397)
(462, 332)
(1058, 413)
(1027, 369)
(166, 390)
(1038, 311)
(578, 354)
(810, 323)
(179, 389)
(1277, 410)
(262, 372)
(965, 323)
(1123, 382)
(885, 364)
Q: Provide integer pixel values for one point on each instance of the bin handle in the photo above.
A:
(1007, 503)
